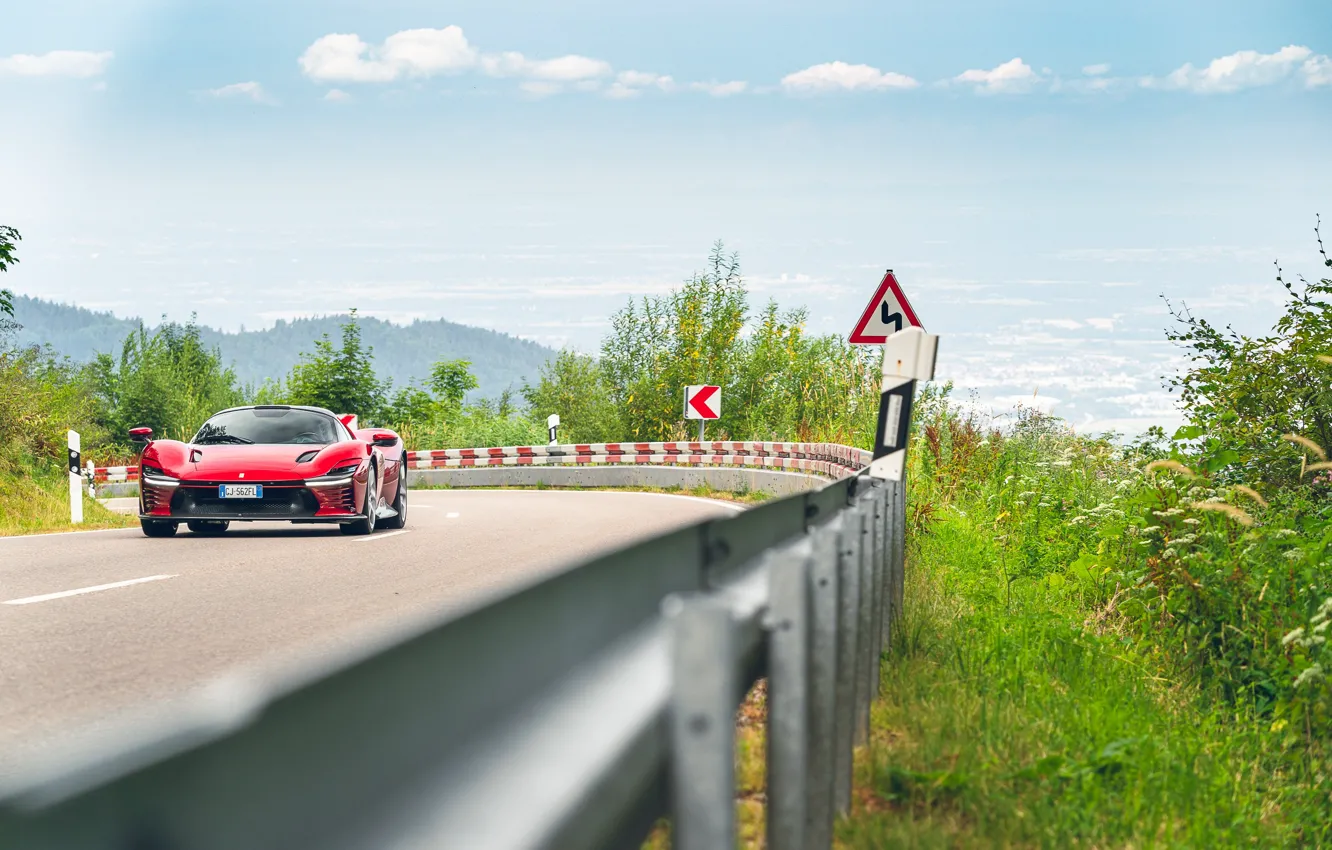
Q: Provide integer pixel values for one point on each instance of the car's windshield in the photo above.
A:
(269, 425)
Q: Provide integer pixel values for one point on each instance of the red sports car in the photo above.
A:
(273, 462)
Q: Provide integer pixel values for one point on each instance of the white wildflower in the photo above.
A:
(1310, 674)
(1292, 636)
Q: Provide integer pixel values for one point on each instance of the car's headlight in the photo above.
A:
(153, 476)
(338, 476)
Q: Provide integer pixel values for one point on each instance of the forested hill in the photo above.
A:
(402, 352)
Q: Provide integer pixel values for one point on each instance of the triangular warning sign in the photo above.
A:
(888, 312)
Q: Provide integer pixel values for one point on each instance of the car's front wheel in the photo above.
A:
(367, 525)
(399, 520)
(208, 526)
(157, 527)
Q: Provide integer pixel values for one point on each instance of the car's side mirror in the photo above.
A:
(140, 435)
(383, 438)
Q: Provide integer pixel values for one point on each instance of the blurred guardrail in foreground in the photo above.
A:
(574, 712)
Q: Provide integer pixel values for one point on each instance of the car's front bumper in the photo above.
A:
(282, 501)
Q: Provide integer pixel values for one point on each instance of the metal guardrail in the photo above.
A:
(828, 459)
(573, 712)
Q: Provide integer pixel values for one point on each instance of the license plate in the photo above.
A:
(240, 491)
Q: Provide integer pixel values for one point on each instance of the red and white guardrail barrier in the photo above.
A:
(823, 458)
(114, 474)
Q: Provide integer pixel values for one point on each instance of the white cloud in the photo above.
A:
(1317, 71)
(339, 57)
(540, 88)
(721, 89)
(1012, 77)
(1102, 324)
(839, 76)
(1247, 69)
(1063, 324)
(336, 95)
(632, 83)
(562, 69)
(1096, 70)
(57, 63)
(247, 91)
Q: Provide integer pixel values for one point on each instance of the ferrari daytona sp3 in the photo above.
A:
(266, 463)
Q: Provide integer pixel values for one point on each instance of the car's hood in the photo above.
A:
(220, 462)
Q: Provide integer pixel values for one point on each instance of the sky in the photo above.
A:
(1042, 176)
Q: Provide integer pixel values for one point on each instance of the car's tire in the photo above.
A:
(367, 525)
(158, 527)
(399, 500)
(208, 527)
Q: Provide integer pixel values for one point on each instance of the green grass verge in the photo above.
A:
(40, 504)
(1032, 723)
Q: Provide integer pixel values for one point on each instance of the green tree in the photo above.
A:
(339, 379)
(9, 238)
(574, 386)
(1242, 394)
(452, 380)
(666, 343)
(167, 380)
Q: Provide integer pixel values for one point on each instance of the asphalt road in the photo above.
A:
(267, 599)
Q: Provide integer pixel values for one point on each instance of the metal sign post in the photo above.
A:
(75, 479)
(552, 424)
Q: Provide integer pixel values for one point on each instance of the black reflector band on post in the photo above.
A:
(894, 419)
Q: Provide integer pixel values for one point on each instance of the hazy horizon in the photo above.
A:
(1037, 176)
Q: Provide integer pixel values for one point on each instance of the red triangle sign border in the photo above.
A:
(889, 283)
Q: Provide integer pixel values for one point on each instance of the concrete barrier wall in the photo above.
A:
(732, 479)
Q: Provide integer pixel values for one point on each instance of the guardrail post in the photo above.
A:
(879, 592)
(789, 695)
(824, 593)
(848, 621)
(899, 549)
(865, 644)
(889, 561)
(703, 691)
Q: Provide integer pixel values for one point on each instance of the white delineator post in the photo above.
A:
(908, 356)
(75, 467)
(552, 425)
(90, 478)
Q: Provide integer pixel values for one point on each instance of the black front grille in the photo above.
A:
(277, 502)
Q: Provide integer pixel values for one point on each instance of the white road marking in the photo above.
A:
(47, 597)
(452, 515)
(384, 536)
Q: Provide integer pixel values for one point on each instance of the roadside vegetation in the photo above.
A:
(1110, 644)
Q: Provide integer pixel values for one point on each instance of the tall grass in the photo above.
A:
(1093, 653)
